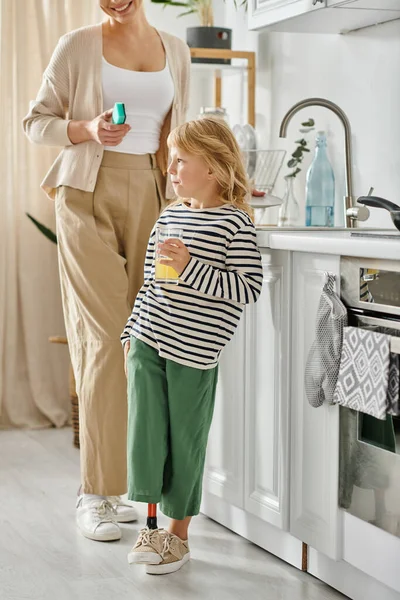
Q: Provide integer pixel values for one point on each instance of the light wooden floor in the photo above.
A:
(43, 557)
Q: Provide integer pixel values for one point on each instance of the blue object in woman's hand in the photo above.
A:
(119, 114)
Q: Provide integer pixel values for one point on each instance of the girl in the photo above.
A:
(173, 339)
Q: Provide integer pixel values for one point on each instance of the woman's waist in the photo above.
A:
(125, 160)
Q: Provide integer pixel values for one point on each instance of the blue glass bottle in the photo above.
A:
(320, 188)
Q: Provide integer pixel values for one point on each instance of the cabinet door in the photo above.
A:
(267, 377)
(223, 475)
(263, 13)
(314, 477)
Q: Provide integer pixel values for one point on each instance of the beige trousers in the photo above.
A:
(102, 241)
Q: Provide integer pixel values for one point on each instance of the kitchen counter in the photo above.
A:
(332, 241)
(270, 453)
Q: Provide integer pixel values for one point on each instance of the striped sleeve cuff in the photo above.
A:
(195, 273)
(125, 337)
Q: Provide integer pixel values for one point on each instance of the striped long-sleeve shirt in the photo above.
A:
(191, 322)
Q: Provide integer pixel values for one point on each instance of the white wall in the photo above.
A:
(359, 71)
(168, 20)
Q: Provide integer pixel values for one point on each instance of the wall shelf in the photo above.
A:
(225, 69)
(218, 70)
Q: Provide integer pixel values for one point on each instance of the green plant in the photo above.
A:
(45, 230)
(204, 8)
(298, 154)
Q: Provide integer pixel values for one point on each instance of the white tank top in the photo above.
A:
(147, 96)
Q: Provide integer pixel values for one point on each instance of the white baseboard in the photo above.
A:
(348, 580)
(372, 550)
(340, 575)
(274, 540)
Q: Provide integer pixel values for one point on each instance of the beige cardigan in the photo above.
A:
(72, 90)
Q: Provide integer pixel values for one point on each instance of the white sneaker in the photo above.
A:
(124, 512)
(96, 520)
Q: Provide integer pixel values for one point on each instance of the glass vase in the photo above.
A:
(289, 210)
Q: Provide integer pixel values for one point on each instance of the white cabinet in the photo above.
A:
(225, 451)
(264, 13)
(266, 405)
(266, 440)
(272, 471)
(320, 16)
(314, 457)
(247, 455)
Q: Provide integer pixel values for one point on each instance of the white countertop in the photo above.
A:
(330, 241)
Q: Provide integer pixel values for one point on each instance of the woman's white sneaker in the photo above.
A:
(96, 520)
(124, 511)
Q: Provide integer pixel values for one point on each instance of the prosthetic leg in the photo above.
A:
(152, 516)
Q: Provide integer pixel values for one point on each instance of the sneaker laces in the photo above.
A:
(103, 511)
(146, 537)
(171, 545)
(115, 501)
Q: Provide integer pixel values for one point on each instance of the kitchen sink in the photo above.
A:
(382, 234)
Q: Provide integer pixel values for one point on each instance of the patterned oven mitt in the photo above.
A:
(323, 361)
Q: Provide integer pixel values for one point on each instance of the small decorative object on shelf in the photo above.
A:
(205, 36)
(289, 210)
(217, 112)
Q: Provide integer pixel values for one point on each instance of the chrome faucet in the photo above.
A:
(351, 212)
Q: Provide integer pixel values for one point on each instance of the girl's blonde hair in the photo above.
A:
(213, 140)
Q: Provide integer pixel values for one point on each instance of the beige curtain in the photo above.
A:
(33, 373)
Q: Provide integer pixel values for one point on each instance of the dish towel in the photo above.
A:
(394, 385)
(322, 365)
(364, 372)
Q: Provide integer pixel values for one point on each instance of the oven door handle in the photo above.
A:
(389, 323)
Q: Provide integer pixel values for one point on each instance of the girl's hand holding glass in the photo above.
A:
(176, 253)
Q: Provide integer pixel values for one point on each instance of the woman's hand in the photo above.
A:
(99, 130)
(127, 347)
(177, 253)
(102, 131)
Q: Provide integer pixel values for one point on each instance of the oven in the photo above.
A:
(369, 478)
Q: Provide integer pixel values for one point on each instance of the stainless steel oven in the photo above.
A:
(369, 483)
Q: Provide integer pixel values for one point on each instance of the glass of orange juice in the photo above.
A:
(165, 273)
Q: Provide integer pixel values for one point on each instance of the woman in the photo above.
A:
(109, 186)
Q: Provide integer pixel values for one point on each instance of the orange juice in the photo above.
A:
(166, 274)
